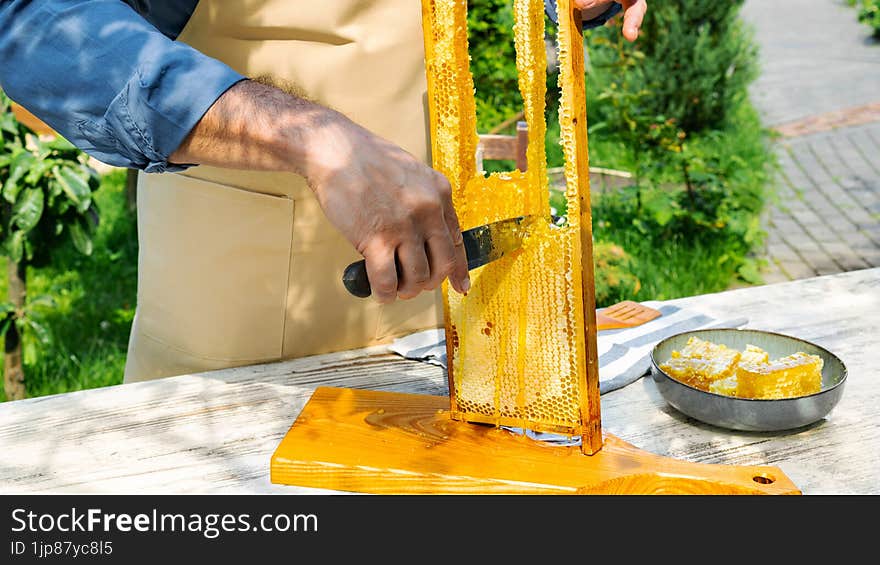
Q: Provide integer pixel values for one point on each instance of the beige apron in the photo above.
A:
(238, 267)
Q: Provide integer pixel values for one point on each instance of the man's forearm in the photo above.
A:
(394, 209)
(255, 126)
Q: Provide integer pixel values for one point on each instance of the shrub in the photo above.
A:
(692, 62)
(615, 280)
(869, 13)
(677, 101)
(493, 61)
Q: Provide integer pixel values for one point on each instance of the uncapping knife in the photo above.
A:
(482, 245)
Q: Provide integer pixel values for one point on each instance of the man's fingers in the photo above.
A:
(633, 15)
(382, 272)
(447, 261)
(459, 277)
(414, 272)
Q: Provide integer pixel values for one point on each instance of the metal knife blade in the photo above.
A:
(482, 245)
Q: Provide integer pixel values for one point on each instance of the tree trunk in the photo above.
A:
(13, 370)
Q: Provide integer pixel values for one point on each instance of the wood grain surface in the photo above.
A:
(394, 443)
(216, 432)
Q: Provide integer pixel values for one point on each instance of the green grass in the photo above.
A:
(94, 298)
(675, 267)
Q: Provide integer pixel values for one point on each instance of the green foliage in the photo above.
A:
(493, 61)
(616, 280)
(691, 64)
(676, 102)
(91, 303)
(45, 201)
(715, 196)
(674, 267)
(46, 192)
(869, 13)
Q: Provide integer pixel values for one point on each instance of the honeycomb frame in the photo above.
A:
(521, 344)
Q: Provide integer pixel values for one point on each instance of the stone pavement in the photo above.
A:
(820, 88)
(815, 57)
(827, 219)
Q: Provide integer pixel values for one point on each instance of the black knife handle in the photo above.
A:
(355, 279)
(358, 284)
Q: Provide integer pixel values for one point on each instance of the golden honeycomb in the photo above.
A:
(747, 374)
(754, 354)
(727, 386)
(795, 375)
(701, 363)
(518, 348)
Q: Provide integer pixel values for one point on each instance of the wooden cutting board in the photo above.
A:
(392, 443)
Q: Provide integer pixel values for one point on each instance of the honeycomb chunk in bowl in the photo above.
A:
(797, 374)
(701, 363)
(767, 359)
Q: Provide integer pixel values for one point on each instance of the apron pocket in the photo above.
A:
(213, 268)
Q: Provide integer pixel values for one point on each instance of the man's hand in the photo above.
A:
(633, 13)
(390, 206)
(395, 210)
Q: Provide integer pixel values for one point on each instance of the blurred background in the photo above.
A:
(735, 143)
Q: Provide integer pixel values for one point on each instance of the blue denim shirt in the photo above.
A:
(109, 77)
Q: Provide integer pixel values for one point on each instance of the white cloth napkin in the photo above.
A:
(624, 354)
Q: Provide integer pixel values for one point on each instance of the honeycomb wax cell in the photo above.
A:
(698, 372)
(795, 375)
(700, 363)
(703, 349)
(754, 354)
(517, 343)
(727, 386)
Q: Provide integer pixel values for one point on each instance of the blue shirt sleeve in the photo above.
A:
(106, 79)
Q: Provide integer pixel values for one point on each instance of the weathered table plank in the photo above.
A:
(215, 432)
(840, 454)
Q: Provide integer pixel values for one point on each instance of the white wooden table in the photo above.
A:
(215, 432)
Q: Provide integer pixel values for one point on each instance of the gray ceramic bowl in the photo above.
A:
(743, 413)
